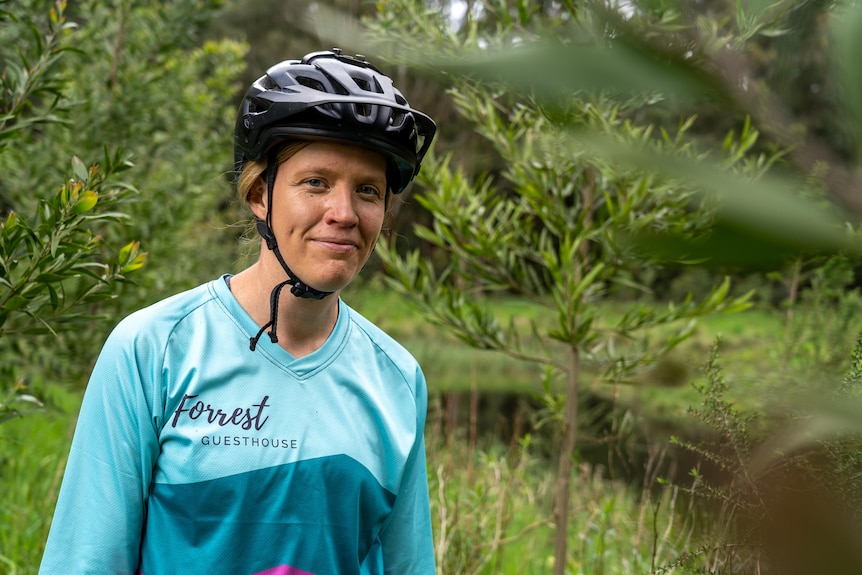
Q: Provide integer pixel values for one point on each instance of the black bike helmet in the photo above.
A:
(332, 96)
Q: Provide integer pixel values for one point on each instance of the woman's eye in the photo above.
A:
(369, 191)
(315, 182)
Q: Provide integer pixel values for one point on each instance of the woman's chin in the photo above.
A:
(328, 284)
(331, 279)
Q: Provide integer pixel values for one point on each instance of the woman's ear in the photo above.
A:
(257, 198)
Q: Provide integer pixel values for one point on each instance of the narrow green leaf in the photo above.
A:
(55, 243)
(55, 299)
(79, 169)
(11, 222)
(135, 264)
(628, 65)
(15, 303)
(126, 252)
(86, 202)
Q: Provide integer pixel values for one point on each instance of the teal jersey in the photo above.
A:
(193, 454)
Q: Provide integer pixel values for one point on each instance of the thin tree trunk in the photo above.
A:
(792, 297)
(564, 473)
(119, 45)
(567, 454)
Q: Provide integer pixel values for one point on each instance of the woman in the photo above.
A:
(204, 447)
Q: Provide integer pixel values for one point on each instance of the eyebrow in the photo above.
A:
(369, 177)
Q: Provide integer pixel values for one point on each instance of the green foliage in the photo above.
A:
(786, 486)
(30, 48)
(828, 309)
(843, 475)
(132, 76)
(848, 45)
(734, 488)
(555, 239)
(15, 401)
(164, 95)
(595, 184)
(555, 227)
(729, 448)
(473, 514)
(33, 453)
(55, 267)
(488, 515)
(532, 243)
(696, 62)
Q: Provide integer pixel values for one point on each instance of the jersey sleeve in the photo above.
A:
(407, 540)
(100, 512)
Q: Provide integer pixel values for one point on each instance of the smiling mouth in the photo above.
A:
(336, 245)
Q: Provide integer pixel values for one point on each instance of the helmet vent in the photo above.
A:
(255, 106)
(269, 84)
(312, 83)
(363, 84)
(397, 118)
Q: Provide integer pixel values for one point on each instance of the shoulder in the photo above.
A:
(386, 344)
(159, 320)
(391, 363)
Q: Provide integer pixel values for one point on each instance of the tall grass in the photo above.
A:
(492, 515)
(33, 452)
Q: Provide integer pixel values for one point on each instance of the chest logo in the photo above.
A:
(241, 417)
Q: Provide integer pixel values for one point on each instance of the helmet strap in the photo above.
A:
(297, 287)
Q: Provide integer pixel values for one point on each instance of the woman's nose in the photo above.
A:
(341, 208)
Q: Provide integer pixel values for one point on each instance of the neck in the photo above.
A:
(303, 324)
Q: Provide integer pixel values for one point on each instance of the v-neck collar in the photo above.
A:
(302, 367)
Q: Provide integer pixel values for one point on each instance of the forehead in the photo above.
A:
(338, 157)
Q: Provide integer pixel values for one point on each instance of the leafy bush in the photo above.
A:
(135, 92)
(782, 488)
(55, 268)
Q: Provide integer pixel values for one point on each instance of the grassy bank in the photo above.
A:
(761, 355)
(32, 457)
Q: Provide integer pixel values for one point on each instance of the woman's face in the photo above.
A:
(329, 202)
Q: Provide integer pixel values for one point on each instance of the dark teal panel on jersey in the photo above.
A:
(320, 515)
